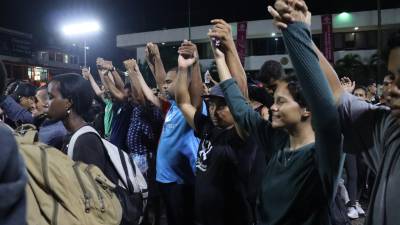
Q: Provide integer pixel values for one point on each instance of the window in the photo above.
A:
(37, 73)
(51, 56)
(66, 59)
(266, 46)
(317, 39)
(30, 73)
(356, 40)
(205, 51)
(59, 57)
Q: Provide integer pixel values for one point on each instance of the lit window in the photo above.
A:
(66, 59)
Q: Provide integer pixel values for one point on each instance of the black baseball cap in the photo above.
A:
(215, 91)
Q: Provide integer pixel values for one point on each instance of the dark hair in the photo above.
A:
(295, 89)
(23, 89)
(260, 95)
(362, 88)
(78, 90)
(370, 82)
(393, 42)
(270, 69)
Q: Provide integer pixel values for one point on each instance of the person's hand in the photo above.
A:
(222, 32)
(189, 50)
(218, 54)
(206, 90)
(85, 73)
(347, 84)
(289, 11)
(131, 66)
(99, 62)
(185, 63)
(152, 52)
(108, 65)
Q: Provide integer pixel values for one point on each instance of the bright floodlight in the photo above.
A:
(81, 28)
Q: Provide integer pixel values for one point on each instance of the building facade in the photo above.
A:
(353, 33)
(22, 62)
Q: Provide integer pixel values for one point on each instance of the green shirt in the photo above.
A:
(108, 116)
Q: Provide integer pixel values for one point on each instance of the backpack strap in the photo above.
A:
(114, 154)
(76, 135)
(123, 162)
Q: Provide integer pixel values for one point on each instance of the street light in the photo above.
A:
(81, 29)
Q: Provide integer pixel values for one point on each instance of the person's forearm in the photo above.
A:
(247, 119)
(196, 86)
(101, 75)
(119, 84)
(95, 87)
(159, 72)
(148, 93)
(182, 94)
(117, 94)
(330, 75)
(151, 66)
(223, 70)
(15, 112)
(137, 93)
(182, 97)
(236, 68)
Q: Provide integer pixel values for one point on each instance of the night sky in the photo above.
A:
(43, 18)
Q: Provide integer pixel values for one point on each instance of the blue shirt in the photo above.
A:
(144, 129)
(177, 150)
(120, 124)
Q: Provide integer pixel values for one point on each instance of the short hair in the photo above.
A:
(393, 42)
(295, 89)
(260, 95)
(362, 88)
(76, 89)
(270, 69)
(23, 89)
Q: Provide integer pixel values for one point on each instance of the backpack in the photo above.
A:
(131, 188)
(61, 191)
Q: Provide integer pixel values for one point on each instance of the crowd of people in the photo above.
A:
(226, 150)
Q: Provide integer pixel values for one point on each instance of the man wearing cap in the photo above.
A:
(225, 160)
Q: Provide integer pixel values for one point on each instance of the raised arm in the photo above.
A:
(247, 121)
(88, 76)
(189, 50)
(147, 92)
(118, 82)
(156, 64)
(330, 75)
(182, 96)
(15, 111)
(223, 32)
(137, 93)
(316, 90)
(101, 70)
(115, 92)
